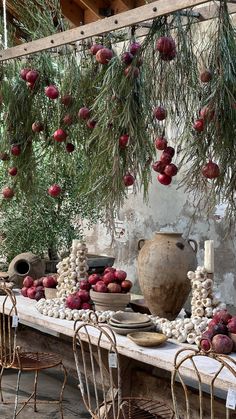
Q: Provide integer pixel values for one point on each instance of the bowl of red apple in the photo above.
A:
(111, 290)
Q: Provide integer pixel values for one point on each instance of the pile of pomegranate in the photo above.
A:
(217, 337)
(80, 299)
(112, 280)
(164, 166)
(34, 288)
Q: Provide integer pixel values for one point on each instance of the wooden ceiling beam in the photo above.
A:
(92, 6)
(72, 12)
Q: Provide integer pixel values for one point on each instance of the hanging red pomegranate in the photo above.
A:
(70, 147)
(171, 170)
(164, 179)
(66, 100)
(160, 143)
(170, 150)
(84, 113)
(16, 150)
(134, 48)
(95, 48)
(199, 125)
(211, 170)
(12, 171)
(54, 190)
(51, 92)
(123, 140)
(4, 156)
(23, 73)
(165, 44)
(165, 158)
(91, 123)
(104, 55)
(160, 113)
(32, 76)
(169, 56)
(127, 58)
(37, 127)
(68, 119)
(206, 76)
(128, 179)
(131, 72)
(60, 135)
(158, 166)
(8, 192)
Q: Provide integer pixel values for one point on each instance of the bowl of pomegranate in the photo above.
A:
(111, 290)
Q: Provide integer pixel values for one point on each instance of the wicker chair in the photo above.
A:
(11, 356)
(100, 377)
(196, 364)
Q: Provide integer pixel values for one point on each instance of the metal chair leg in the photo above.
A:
(35, 389)
(62, 390)
(1, 373)
(17, 391)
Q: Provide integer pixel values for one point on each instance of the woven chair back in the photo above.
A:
(8, 328)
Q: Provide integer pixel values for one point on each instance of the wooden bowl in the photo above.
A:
(104, 301)
(147, 338)
(50, 293)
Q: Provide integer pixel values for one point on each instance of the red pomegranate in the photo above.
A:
(16, 150)
(54, 190)
(131, 71)
(128, 179)
(164, 179)
(134, 48)
(170, 150)
(127, 58)
(12, 171)
(160, 143)
(123, 140)
(165, 44)
(51, 92)
(158, 166)
(205, 76)
(211, 170)
(160, 113)
(165, 158)
(95, 48)
(171, 169)
(168, 57)
(23, 73)
(104, 55)
(8, 193)
(66, 100)
(60, 135)
(198, 125)
(4, 156)
(70, 147)
(68, 119)
(84, 113)
(91, 123)
(31, 76)
(37, 127)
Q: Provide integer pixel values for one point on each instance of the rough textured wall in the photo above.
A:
(170, 209)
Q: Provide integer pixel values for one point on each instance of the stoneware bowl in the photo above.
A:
(104, 301)
(147, 339)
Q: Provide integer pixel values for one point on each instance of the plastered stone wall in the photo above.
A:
(168, 209)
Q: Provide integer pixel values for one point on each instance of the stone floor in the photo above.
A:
(48, 389)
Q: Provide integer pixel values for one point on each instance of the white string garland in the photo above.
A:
(5, 23)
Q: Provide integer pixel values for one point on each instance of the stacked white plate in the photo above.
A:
(124, 323)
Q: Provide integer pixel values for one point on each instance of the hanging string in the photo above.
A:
(5, 23)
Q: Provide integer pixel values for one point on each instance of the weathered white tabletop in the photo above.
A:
(161, 357)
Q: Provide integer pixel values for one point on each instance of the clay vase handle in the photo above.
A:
(195, 246)
(141, 243)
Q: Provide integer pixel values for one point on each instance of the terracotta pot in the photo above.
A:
(25, 264)
(104, 301)
(163, 263)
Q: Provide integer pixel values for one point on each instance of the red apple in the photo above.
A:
(114, 288)
(73, 302)
(108, 277)
(120, 275)
(83, 295)
(93, 279)
(85, 285)
(31, 292)
(49, 282)
(24, 291)
(54, 190)
(28, 281)
(100, 287)
(126, 285)
(86, 306)
(12, 171)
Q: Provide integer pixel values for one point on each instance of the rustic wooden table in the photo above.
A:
(151, 367)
